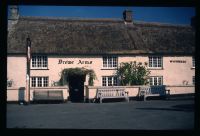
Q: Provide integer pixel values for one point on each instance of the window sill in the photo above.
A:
(39, 69)
(108, 68)
(192, 67)
(155, 68)
(40, 87)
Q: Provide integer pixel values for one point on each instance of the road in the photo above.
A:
(149, 115)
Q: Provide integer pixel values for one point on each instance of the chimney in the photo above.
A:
(127, 14)
(14, 12)
(193, 22)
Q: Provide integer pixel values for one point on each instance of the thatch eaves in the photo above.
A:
(98, 36)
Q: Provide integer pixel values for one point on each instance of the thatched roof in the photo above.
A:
(98, 36)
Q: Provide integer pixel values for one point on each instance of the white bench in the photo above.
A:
(112, 93)
(147, 91)
(44, 95)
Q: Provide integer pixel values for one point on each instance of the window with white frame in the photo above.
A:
(110, 62)
(157, 80)
(39, 62)
(155, 62)
(33, 81)
(109, 81)
(193, 62)
(39, 81)
(193, 80)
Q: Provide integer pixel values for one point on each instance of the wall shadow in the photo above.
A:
(21, 94)
(182, 107)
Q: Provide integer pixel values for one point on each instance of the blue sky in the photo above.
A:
(174, 15)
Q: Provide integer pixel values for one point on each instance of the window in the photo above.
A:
(193, 62)
(155, 62)
(45, 81)
(193, 80)
(39, 62)
(109, 81)
(39, 81)
(110, 62)
(33, 81)
(156, 80)
(104, 81)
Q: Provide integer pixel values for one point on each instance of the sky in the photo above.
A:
(172, 15)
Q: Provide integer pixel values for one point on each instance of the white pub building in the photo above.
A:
(98, 45)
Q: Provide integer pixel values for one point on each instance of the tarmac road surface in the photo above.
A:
(149, 115)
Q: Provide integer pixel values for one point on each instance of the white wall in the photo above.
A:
(16, 70)
(173, 73)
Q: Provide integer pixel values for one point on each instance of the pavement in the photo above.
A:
(141, 115)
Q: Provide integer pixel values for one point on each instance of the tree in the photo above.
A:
(133, 73)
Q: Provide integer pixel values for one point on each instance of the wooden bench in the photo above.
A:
(147, 91)
(112, 93)
(53, 95)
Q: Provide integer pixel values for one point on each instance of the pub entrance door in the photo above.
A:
(76, 88)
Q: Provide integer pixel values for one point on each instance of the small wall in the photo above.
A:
(91, 90)
(18, 94)
(12, 94)
(179, 89)
(53, 88)
(133, 90)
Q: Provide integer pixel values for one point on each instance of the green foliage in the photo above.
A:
(133, 73)
(65, 73)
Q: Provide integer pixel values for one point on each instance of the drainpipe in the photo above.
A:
(28, 49)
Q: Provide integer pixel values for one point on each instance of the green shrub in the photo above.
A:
(65, 73)
(133, 73)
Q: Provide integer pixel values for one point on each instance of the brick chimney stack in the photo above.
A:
(14, 13)
(127, 15)
(193, 22)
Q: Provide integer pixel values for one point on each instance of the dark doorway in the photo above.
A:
(76, 88)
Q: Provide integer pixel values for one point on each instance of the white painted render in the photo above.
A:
(174, 74)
